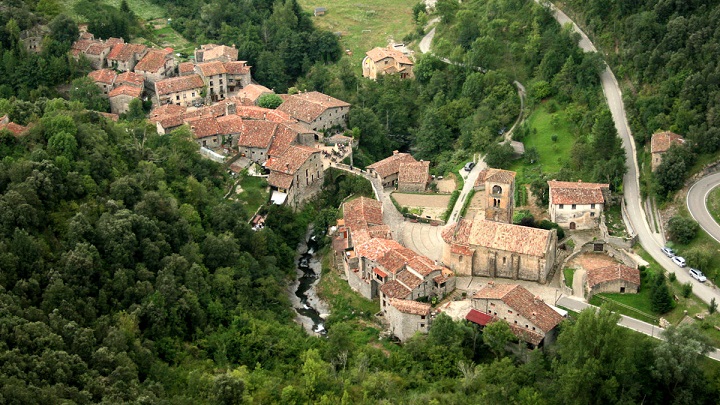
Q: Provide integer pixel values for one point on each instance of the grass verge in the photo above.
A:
(713, 203)
(254, 192)
(569, 273)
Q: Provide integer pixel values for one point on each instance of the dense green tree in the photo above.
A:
(682, 230)
(496, 336)
(269, 101)
(661, 299)
(89, 94)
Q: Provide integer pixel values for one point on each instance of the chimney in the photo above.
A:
(491, 284)
(395, 152)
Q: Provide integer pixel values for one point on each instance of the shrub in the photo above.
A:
(687, 290)
(682, 230)
(672, 277)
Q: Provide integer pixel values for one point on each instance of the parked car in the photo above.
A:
(668, 252)
(680, 261)
(697, 275)
(469, 166)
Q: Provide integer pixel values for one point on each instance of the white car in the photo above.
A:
(680, 261)
(697, 275)
(668, 252)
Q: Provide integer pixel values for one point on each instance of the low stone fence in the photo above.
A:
(608, 249)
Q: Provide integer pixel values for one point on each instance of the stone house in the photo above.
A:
(15, 129)
(156, 65)
(95, 51)
(316, 110)
(577, 205)
(214, 52)
(295, 175)
(616, 278)
(104, 78)
(186, 69)
(499, 188)
(32, 38)
(660, 143)
(414, 177)
(131, 79)
(251, 93)
(494, 249)
(383, 61)
(121, 96)
(183, 91)
(408, 318)
(124, 57)
(529, 317)
(388, 169)
(238, 76)
(256, 138)
(215, 77)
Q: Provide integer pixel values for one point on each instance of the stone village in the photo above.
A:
(488, 268)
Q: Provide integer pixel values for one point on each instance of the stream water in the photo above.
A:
(311, 310)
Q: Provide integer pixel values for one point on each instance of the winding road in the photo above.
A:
(697, 204)
(635, 216)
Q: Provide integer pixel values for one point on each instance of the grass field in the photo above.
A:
(145, 9)
(713, 203)
(544, 126)
(254, 192)
(364, 25)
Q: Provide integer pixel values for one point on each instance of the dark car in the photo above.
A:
(469, 166)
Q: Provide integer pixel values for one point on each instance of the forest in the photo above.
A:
(665, 54)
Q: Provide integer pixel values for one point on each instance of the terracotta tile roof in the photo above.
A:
(96, 48)
(378, 54)
(379, 272)
(307, 107)
(411, 307)
(259, 113)
(361, 212)
(112, 41)
(166, 110)
(495, 176)
(524, 303)
(479, 317)
(500, 236)
(176, 84)
(423, 265)
(124, 52)
(284, 137)
(15, 129)
(414, 172)
(153, 61)
(237, 68)
(107, 76)
(391, 165)
(86, 35)
(294, 157)
(409, 280)
(380, 231)
(393, 289)
(186, 68)
(230, 124)
(82, 44)
(280, 180)
(461, 250)
(662, 141)
(257, 134)
(395, 259)
(130, 78)
(376, 248)
(564, 192)
(208, 69)
(253, 92)
(214, 51)
(126, 90)
(203, 127)
(612, 273)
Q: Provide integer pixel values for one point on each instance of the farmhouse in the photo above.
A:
(414, 177)
(316, 110)
(183, 91)
(123, 57)
(383, 61)
(408, 317)
(530, 318)
(388, 169)
(660, 143)
(292, 174)
(577, 205)
(616, 278)
(121, 96)
(215, 77)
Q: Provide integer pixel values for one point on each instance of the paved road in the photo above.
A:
(636, 219)
(697, 204)
(625, 321)
(469, 184)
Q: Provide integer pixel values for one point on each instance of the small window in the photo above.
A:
(422, 316)
(574, 206)
(516, 322)
(509, 311)
(193, 94)
(177, 97)
(504, 260)
(211, 82)
(533, 328)
(562, 206)
(592, 214)
(422, 325)
(592, 206)
(221, 81)
(492, 304)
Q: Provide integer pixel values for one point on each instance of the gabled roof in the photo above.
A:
(126, 90)
(106, 76)
(130, 78)
(257, 134)
(479, 317)
(208, 69)
(612, 273)
(395, 259)
(523, 302)
(176, 84)
(230, 124)
(97, 48)
(363, 211)
(280, 180)
(409, 280)
(378, 54)
(662, 141)
(237, 68)
(165, 110)
(391, 165)
(294, 157)
(209, 52)
(186, 68)
(15, 129)
(393, 289)
(124, 52)
(284, 137)
(307, 107)
(203, 127)
(376, 248)
(565, 192)
(259, 113)
(414, 172)
(253, 91)
(411, 307)
(153, 61)
(500, 236)
(495, 176)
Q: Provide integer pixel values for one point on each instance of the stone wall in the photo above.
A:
(411, 187)
(404, 325)
(613, 287)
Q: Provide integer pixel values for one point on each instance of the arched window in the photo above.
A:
(497, 190)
